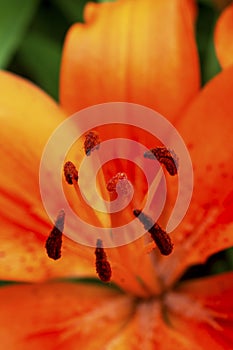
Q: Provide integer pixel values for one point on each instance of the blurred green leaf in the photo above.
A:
(71, 9)
(106, 1)
(50, 22)
(211, 66)
(10, 283)
(219, 267)
(206, 2)
(229, 256)
(40, 56)
(204, 33)
(15, 17)
(217, 4)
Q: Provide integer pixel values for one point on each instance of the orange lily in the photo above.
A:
(153, 309)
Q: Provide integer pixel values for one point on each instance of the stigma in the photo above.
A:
(159, 236)
(54, 241)
(119, 183)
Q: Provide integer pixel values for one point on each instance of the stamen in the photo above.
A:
(92, 142)
(54, 241)
(103, 267)
(159, 236)
(144, 219)
(71, 173)
(112, 183)
(166, 157)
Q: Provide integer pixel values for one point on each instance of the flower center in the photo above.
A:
(120, 187)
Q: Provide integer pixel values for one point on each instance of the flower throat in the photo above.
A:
(119, 183)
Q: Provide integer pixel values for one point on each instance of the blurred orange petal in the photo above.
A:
(134, 51)
(61, 316)
(192, 7)
(70, 316)
(207, 129)
(223, 37)
(29, 116)
(212, 326)
(23, 256)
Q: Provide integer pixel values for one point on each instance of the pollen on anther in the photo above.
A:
(92, 142)
(164, 156)
(70, 173)
(159, 236)
(103, 267)
(54, 241)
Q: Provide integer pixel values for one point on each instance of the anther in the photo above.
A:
(159, 236)
(103, 267)
(54, 241)
(112, 183)
(70, 172)
(161, 239)
(92, 142)
(164, 156)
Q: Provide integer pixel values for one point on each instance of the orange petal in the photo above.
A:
(223, 37)
(207, 128)
(28, 117)
(208, 320)
(70, 316)
(142, 52)
(61, 316)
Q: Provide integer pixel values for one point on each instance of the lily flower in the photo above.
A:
(134, 51)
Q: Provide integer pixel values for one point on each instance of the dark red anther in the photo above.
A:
(70, 173)
(159, 236)
(54, 241)
(161, 239)
(92, 142)
(166, 157)
(103, 267)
